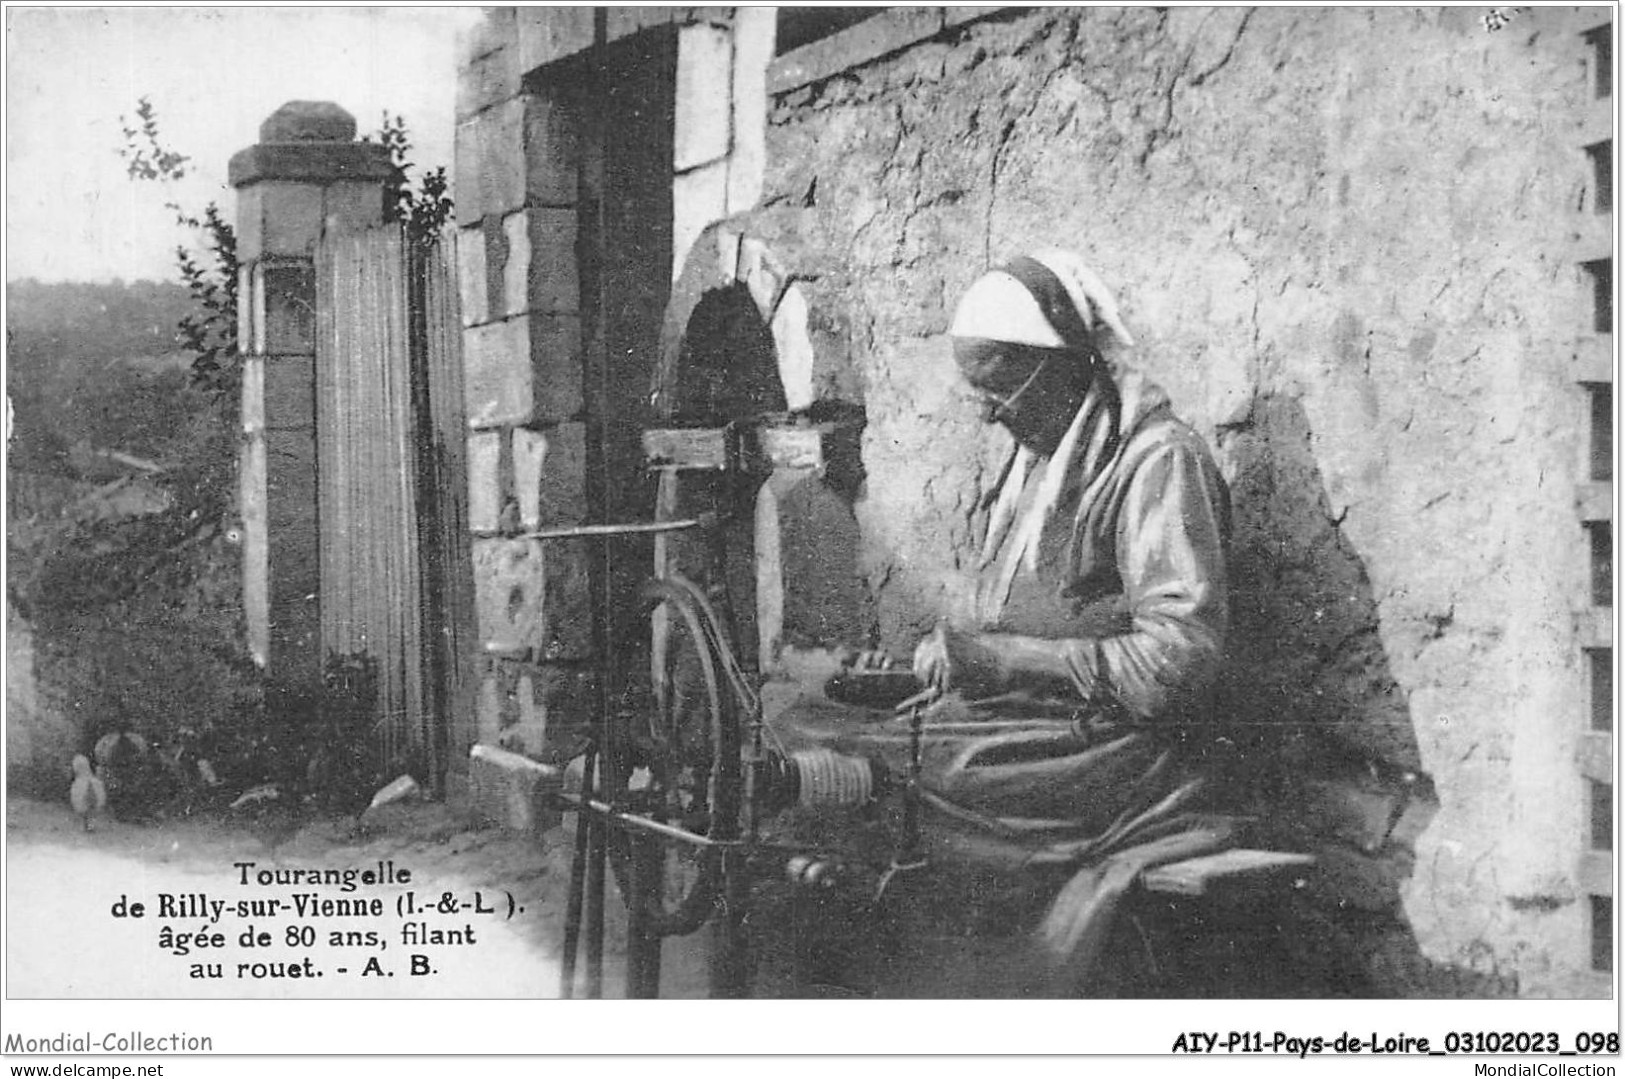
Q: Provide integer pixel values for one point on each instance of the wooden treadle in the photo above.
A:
(1229, 872)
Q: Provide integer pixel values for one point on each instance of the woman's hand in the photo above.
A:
(949, 659)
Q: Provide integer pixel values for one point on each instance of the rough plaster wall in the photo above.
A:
(1337, 237)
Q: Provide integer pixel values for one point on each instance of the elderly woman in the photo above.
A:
(1055, 726)
(1104, 556)
(1054, 736)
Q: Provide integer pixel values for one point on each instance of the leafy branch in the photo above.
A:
(424, 211)
(210, 272)
(211, 333)
(145, 158)
(210, 277)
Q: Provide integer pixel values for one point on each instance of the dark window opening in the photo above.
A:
(1601, 662)
(1602, 816)
(800, 26)
(1602, 430)
(1601, 41)
(1602, 933)
(1602, 563)
(1601, 272)
(1602, 174)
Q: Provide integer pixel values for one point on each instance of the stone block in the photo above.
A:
(702, 125)
(290, 519)
(254, 301)
(528, 595)
(540, 275)
(486, 81)
(754, 30)
(562, 495)
(502, 158)
(508, 592)
(253, 400)
(529, 732)
(546, 34)
(498, 162)
(497, 254)
(288, 390)
(488, 708)
(794, 348)
(353, 206)
(524, 369)
(468, 151)
(497, 381)
(278, 218)
(522, 151)
(290, 478)
(484, 481)
(529, 458)
(622, 21)
(245, 307)
(556, 367)
(471, 284)
(698, 198)
(289, 310)
(550, 475)
(552, 151)
(513, 792)
(567, 632)
(256, 564)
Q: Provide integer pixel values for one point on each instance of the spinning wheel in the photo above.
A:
(679, 766)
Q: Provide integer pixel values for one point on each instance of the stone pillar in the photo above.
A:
(531, 190)
(306, 177)
(517, 175)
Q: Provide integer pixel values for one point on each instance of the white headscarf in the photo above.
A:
(998, 307)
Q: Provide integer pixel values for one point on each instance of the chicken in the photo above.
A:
(88, 795)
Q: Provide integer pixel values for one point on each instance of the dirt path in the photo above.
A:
(62, 886)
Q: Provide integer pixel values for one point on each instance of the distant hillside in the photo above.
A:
(85, 323)
(97, 364)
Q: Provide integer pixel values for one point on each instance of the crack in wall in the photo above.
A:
(1164, 128)
(1241, 28)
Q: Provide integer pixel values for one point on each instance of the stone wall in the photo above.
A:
(1344, 240)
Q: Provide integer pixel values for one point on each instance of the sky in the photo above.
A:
(213, 74)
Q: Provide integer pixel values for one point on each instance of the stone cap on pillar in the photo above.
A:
(309, 142)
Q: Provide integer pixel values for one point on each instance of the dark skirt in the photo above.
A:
(1035, 794)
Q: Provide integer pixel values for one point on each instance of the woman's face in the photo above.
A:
(1033, 393)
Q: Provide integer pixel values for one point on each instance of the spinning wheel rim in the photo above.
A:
(665, 913)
